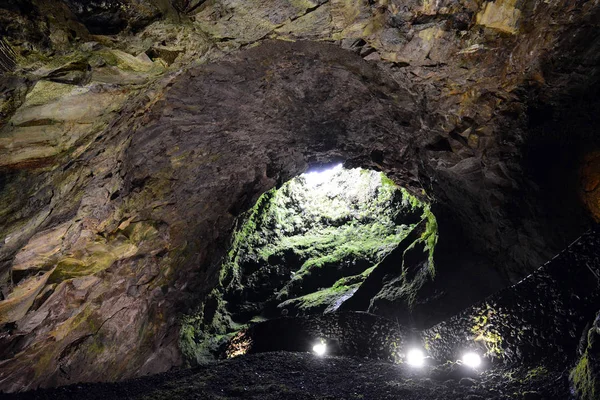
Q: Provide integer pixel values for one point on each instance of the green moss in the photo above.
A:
(426, 242)
(332, 245)
(307, 250)
(430, 236)
(408, 200)
(196, 345)
(484, 331)
(246, 235)
(535, 374)
(321, 230)
(354, 279)
(202, 332)
(385, 181)
(187, 338)
(320, 300)
(584, 380)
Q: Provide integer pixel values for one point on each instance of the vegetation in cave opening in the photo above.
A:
(584, 381)
(307, 248)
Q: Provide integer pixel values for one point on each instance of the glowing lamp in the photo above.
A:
(320, 349)
(471, 360)
(415, 358)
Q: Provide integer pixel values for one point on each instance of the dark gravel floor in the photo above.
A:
(295, 376)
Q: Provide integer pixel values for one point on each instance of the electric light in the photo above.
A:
(471, 359)
(316, 178)
(415, 358)
(320, 349)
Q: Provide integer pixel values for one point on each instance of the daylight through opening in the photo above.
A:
(329, 240)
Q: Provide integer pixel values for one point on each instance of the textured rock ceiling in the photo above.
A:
(133, 132)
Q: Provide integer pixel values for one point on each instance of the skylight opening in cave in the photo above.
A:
(321, 177)
(329, 240)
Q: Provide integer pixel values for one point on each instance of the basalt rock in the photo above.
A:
(348, 334)
(584, 376)
(541, 317)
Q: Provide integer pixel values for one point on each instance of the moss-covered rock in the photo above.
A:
(585, 376)
(585, 380)
(307, 247)
(326, 300)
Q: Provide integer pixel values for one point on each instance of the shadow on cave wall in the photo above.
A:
(562, 131)
(563, 135)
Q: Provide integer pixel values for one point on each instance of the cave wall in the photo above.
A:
(546, 320)
(543, 317)
(125, 159)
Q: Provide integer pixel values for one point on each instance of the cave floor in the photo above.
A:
(284, 375)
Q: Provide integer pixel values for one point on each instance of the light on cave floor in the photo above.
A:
(471, 360)
(415, 358)
(316, 178)
(320, 349)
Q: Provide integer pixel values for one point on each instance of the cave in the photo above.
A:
(329, 240)
(155, 157)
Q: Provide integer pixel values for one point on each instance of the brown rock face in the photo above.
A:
(120, 181)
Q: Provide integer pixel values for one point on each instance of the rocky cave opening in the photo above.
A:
(331, 239)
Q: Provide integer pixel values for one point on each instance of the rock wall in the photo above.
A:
(156, 243)
(542, 317)
(537, 322)
(584, 376)
(353, 334)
